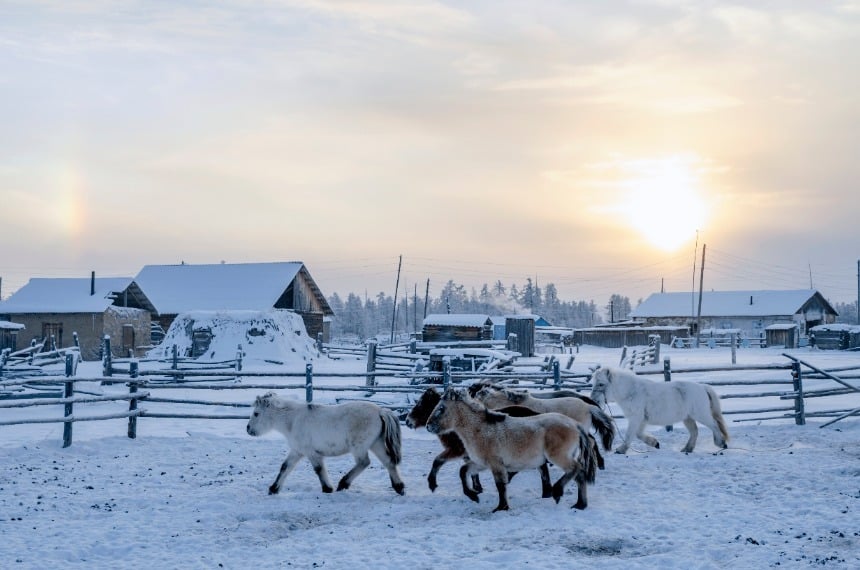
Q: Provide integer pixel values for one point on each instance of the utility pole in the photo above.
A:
(858, 291)
(699, 313)
(426, 297)
(415, 309)
(396, 287)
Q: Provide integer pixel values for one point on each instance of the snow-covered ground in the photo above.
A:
(193, 494)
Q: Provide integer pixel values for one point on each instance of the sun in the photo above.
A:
(663, 201)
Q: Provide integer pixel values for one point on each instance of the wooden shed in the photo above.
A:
(457, 327)
(618, 336)
(835, 337)
(784, 334)
(168, 290)
(92, 308)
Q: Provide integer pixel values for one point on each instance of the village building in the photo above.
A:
(748, 313)
(54, 310)
(457, 328)
(169, 290)
(9, 335)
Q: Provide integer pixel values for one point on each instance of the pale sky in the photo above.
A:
(576, 142)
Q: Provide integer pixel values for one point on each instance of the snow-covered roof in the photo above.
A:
(10, 326)
(64, 295)
(781, 327)
(725, 303)
(455, 320)
(174, 289)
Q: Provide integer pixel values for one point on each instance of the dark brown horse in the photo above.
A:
(453, 445)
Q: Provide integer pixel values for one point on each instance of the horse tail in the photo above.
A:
(717, 413)
(391, 435)
(603, 425)
(587, 457)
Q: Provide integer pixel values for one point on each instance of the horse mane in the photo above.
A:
(515, 396)
(494, 417)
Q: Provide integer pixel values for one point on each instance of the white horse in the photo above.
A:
(327, 431)
(659, 403)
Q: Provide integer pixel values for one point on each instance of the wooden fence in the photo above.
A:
(800, 382)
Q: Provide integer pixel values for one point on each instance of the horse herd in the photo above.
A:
(492, 428)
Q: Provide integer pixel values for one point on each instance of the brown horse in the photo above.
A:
(502, 444)
(583, 410)
(453, 445)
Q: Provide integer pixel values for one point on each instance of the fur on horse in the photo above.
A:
(647, 402)
(318, 431)
(453, 446)
(502, 443)
(588, 414)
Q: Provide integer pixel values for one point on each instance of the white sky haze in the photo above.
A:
(587, 144)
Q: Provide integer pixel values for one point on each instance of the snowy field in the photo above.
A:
(193, 494)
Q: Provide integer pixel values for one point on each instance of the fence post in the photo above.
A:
(319, 342)
(68, 394)
(371, 364)
(309, 382)
(446, 371)
(134, 372)
(239, 354)
(76, 340)
(174, 353)
(107, 364)
(654, 340)
(667, 376)
(623, 355)
(413, 346)
(734, 348)
(556, 374)
(797, 380)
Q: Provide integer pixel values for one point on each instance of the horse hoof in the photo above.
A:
(657, 445)
(432, 485)
(273, 490)
(501, 508)
(579, 505)
(474, 497)
(400, 489)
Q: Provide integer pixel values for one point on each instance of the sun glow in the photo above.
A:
(663, 201)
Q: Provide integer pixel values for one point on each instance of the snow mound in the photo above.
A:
(273, 336)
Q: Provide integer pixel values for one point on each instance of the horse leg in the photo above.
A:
(322, 473)
(691, 426)
(361, 463)
(545, 483)
(634, 425)
(647, 438)
(440, 460)
(500, 476)
(558, 488)
(292, 459)
(466, 470)
(378, 449)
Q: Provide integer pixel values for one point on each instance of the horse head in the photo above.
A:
(601, 378)
(259, 423)
(420, 413)
(437, 423)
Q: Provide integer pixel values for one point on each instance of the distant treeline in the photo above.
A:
(365, 316)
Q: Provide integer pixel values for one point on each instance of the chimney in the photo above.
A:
(92, 283)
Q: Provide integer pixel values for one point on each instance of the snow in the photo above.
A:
(276, 336)
(193, 494)
(725, 303)
(457, 320)
(64, 295)
(174, 289)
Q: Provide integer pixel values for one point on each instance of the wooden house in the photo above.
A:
(751, 312)
(168, 290)
(56, 308)
(453, 328)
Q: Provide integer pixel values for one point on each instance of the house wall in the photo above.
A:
(749, 327)
(115, 320)
(89, 327)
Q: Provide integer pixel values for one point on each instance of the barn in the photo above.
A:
(92, 308)
(168, 290)
(751, 312)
